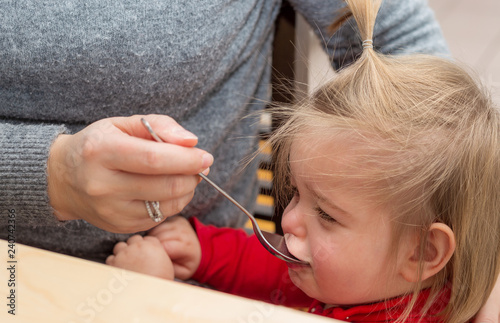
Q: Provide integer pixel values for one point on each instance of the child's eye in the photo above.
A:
(324, 216)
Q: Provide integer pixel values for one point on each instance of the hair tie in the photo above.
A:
(368, 43)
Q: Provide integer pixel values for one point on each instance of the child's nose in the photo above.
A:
(292, 221)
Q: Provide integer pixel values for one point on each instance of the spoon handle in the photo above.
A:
(209, 181)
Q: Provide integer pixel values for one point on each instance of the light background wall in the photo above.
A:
(471, 27)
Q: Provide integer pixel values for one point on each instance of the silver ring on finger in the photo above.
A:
(154, 212)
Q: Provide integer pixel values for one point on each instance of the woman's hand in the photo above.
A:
(104, 173)
(143, 255)
(181, 243)
(490, 312)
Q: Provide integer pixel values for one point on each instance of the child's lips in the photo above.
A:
(288, 241)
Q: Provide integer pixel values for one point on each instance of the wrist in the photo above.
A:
(57, 170)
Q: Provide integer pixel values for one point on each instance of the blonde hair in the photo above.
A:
(432, 149)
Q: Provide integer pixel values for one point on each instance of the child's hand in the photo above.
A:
(181, 243)
(143, 255)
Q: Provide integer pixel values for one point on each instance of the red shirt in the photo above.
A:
(234, 262)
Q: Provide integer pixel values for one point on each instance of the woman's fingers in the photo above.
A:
(132, 216)
(104, 173)
(142, 156)
(165, 127)
(149, 187)
(137, 210)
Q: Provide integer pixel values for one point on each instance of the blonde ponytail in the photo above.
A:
(365, 14)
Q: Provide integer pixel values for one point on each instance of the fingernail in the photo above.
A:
(183, 133)
(206, 160)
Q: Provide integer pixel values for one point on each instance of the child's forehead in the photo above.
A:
(346, 160)
(336, 146)
(321, 159)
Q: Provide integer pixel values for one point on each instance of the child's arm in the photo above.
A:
(143, 255)
(229, 260)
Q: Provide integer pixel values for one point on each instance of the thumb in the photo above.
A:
(175, 249)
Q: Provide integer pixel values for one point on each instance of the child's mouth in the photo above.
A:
(288, 239)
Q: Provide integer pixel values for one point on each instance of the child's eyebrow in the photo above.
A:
(324, 200)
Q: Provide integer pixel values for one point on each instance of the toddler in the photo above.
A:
(392, 171)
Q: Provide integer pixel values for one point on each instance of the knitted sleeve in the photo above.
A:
(24, 149)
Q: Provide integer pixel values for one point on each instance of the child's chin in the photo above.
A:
(300, 275)
(295, 278)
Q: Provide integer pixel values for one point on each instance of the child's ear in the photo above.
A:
(438, 251)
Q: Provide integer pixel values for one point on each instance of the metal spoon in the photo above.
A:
(273, 242)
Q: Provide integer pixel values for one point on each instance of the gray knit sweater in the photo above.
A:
(67, 63)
